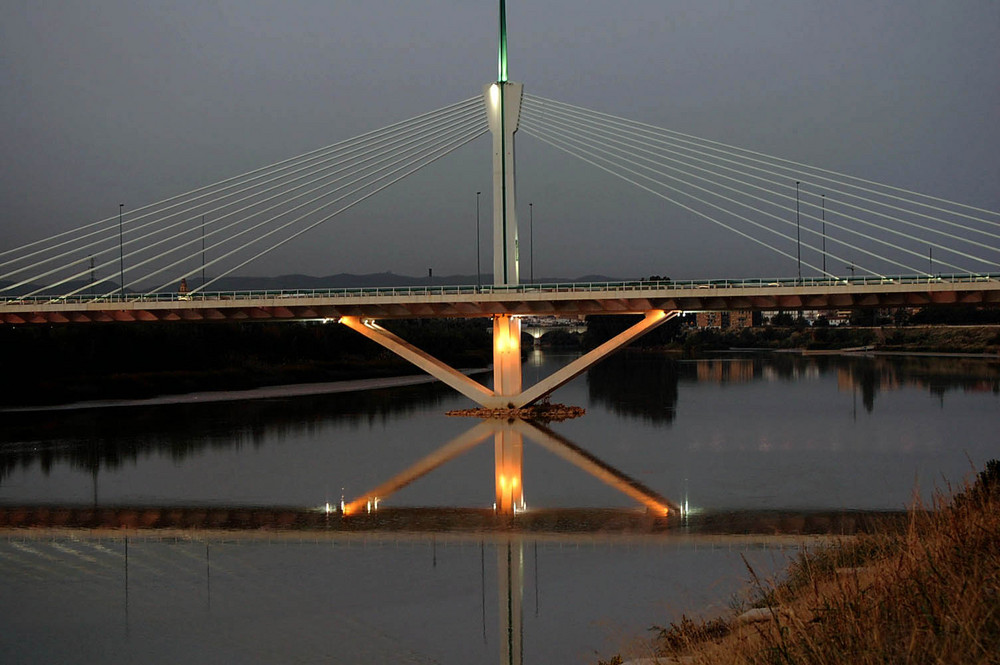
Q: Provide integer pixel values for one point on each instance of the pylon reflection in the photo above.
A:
(508, 441)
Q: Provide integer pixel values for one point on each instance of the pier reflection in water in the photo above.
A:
(508, 440)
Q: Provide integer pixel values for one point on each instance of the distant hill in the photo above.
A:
(382, 279)
(84, 288)
(338, 281)
(288, 282)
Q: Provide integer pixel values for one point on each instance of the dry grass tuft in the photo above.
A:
(926, 593)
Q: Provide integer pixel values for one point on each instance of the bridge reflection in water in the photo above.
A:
(361, 513)
(508, 525)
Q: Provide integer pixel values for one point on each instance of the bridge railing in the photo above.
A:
(521, 289)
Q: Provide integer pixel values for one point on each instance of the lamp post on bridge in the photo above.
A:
(823, 199)
(121, 249)
(479, 270)
(203, 251)
(531, 239)
(798, 239)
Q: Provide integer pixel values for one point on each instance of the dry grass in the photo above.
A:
(927, 593)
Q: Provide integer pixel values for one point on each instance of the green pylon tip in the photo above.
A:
(502, 56)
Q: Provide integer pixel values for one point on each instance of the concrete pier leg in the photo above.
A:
(506, 359)
(507, 392)
(474, 390)
(583, 363)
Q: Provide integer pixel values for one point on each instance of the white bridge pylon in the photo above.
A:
(503, 109)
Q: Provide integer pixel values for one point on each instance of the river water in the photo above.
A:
(730, 433)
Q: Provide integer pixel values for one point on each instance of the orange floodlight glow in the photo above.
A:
(357, 505)
(501, 341)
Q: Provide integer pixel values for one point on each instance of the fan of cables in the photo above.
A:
(224, 226)
(876, 229)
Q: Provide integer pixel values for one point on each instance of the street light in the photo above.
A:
(203, 251)
(823, 200)
(479, 270)
(798, 240)
(121, 249)
(531, 238)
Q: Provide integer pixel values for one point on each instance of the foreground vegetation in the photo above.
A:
(927, 593)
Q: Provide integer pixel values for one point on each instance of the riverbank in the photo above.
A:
(68, 364)
(268, 392)
(927, 593)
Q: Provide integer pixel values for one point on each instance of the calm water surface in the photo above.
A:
(728, 433)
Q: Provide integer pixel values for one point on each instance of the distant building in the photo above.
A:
(728, 320)
(709, 319)
(742, 318)
(838, 317)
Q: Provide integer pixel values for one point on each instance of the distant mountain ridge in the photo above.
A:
(372, 280)
(299, 281)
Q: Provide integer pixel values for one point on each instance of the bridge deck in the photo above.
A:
(565, 299)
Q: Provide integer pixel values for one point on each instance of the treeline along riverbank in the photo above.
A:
(681, 336)
(63, 364)
(911, 339)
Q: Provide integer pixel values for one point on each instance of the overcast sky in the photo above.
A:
(108, 101)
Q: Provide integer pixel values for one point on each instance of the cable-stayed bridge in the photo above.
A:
(832, 228)
(848, 242)
(856, 234)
